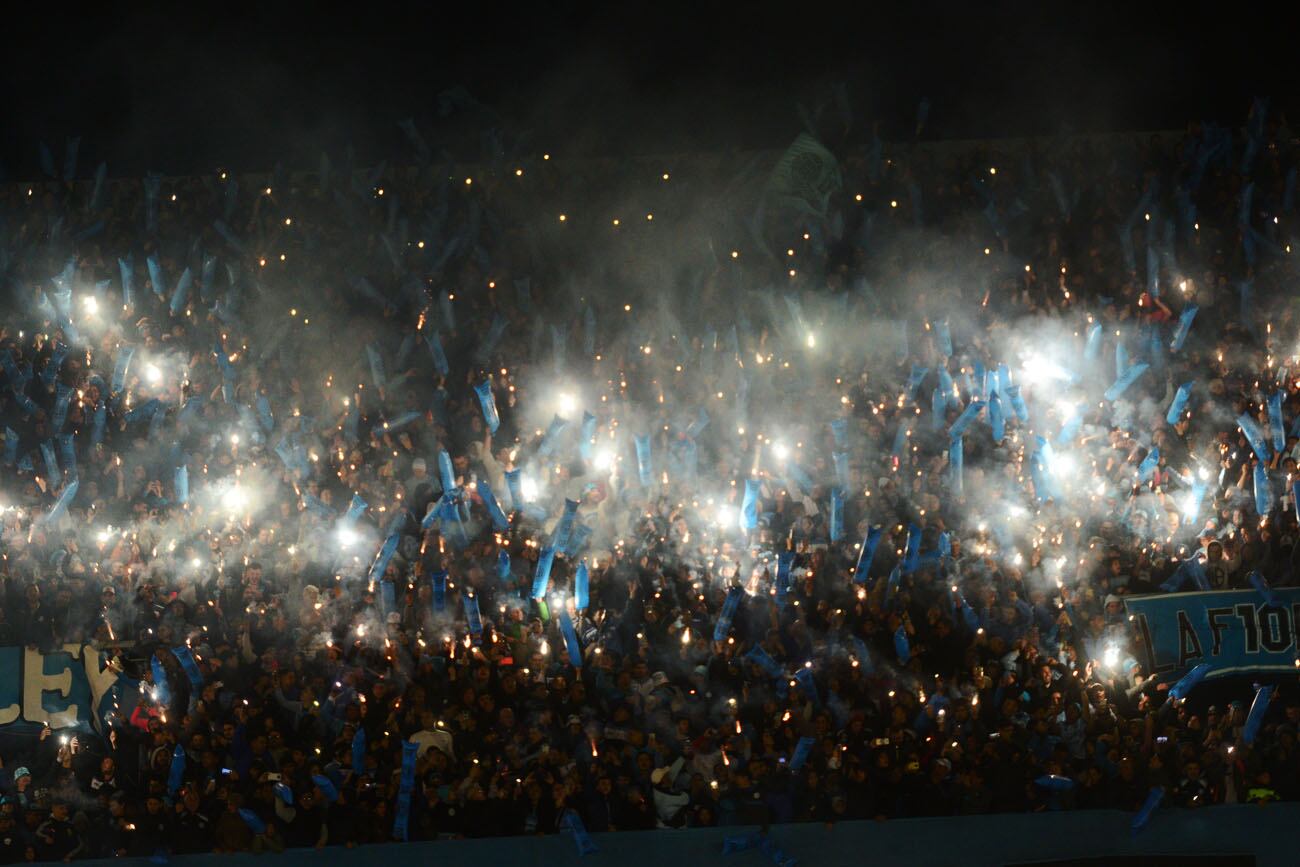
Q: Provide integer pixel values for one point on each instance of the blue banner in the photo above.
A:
(1231, 631)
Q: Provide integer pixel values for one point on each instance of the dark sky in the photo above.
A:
(184, 87)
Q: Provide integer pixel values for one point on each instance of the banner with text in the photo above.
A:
(64, 688)
(1233, 631)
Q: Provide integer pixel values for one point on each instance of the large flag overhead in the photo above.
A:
(805, 176)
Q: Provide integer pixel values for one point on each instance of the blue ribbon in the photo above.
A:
(570, 640)
(841, 462)
(378, 568)
(1263, 491)
(1121, 385)
(581, 587)
(176, 773)
(587, 437)
(866, 554)
(902, 646)
(514, 485)
(1179, 403)
(759, 657)
(446, 471)
(801, 751)
(964, 420)
(722, 628)
(837, 515)
(182, 292)
(1275, 425)
(189, 666)
(488, 402)
(407, 783)
(955, 465)
(1255, 718)
(552, 435)
(473, 620)
(1255, 437)
(573, 822)
(359, 751)
(542, 576)
(564, 526)
(749, 506)
(1149, 464)
(1180, 690)
(500, 522)
(997, 422)
(1184, 326)
(644, 467)
(439, 581)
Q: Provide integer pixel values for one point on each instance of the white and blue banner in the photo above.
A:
(1232, 631)
(63, 689)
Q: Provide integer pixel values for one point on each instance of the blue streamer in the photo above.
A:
(644, 467)
(570, 640)
(1255, 718)
(943, 338)
(749, 506)
(542, 577)
(551, 438)
(1255, 437)
(503, 564)
(837, 515)
(1018, 404)
(587, 437)
(1275, 425)
(1149, 464)
(446, 471)
(1092, 347)
(407, 783)
(514, 485)
(1180, 690)
(997, 422)
(162, 694)
(1184, 327)
(956, 475)
(801, 751)
(866, 554)
(840, 431)
(500, 522)
(581, 838)
(182, 292)
(902, 646)
(359, 751)
(1263, 491)
(473, 620)
(1179, 403)
(439, 581)
(841, 462)
(964, 420)
(1121, 385)
(380, 565)
(488, 402)
(722, 628)
(581, 587)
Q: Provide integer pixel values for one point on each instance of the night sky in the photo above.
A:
(180, 87)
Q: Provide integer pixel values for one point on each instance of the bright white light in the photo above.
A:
(235, 499)
(568, 403)
(104, 535)
(781, 451)
(196, 563)
(91, 303)
(234, 439)
(1203, 473)
(727, 515)
(1064, 465)
(603, 460)
(1066, 408)
(812, 341)
(347, 536)
(1110, 656)
(1189, 504)
(1037, 370)
(152, 374)
(528, 487)
(1017, 511)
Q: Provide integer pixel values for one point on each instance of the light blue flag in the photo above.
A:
(181, 484)
(500, 523)
(964, 420)
(587, 436)
(182, 292)
(1255, 437)
(837, 515)
(488, 402)
(176, 773)
(552, 436)
(841, 462)
(1184, 327)
(564, 526)
(644, 467)
(1180, 690)
(1179, 403)
(1092, 347)
(581, 587)
(866, 554)
(727, 615)
(380, 565)
(840, 431)
(997, 422)
(802, 750)
(1121, 358)
(1258, 709)
(1275, 425)
(1018, 404)
(1149, 464)
(1263, 491)
(955, 465)
(446, 471)
(1121, 385)
(570, 640)
(542, 576)
(749, 506)
(127, 268)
